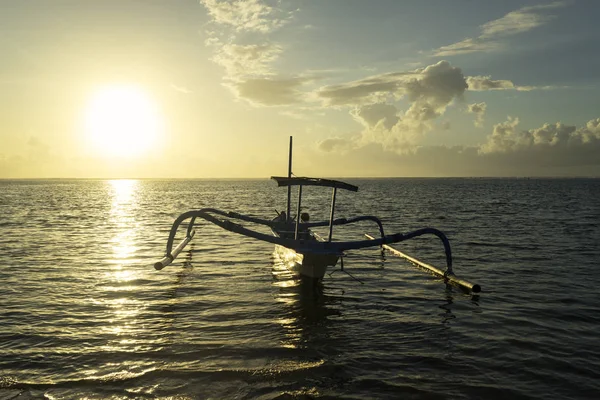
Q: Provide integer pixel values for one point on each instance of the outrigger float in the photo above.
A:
(307, 254)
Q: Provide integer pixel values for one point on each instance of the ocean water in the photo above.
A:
(83, 314)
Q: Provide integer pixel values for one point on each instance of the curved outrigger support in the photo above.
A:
(301, 246)
(307, 246)
(207, 214)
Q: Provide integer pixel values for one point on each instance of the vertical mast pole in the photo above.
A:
(289, 189)
(298, 213)
(331, 216)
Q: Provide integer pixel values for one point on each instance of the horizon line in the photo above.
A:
(328, 177)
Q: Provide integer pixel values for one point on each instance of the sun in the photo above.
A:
(122, 121)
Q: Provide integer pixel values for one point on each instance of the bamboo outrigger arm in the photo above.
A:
(447, 275)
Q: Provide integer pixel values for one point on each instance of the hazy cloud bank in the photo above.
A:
(550, 150)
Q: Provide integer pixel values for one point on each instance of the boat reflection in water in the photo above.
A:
(307, 308)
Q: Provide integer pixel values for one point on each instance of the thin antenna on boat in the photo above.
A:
(289, 189)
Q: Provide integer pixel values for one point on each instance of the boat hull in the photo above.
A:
(307, 265)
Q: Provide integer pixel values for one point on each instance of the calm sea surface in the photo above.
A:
(83, 314)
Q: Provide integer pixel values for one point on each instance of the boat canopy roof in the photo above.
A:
(304, 181)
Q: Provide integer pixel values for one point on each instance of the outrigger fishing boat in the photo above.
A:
(306, 253)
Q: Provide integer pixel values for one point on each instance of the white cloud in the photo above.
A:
(513, 23)
(244, 15)
(252, 59)
(560, 140)
(503, 138)
(246, 54)
(479, 110)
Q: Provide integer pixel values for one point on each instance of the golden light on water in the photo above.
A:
(122, 121)
(123, 243)
(122, 271)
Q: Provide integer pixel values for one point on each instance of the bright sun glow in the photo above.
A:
(122, 121)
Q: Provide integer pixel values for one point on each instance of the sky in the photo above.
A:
(380, 88)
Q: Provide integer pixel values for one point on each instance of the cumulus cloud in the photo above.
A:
(374, 114)
(429, 91)
(479, 110)
(551, 143)
(437, 85)
(244, 15)
(252, 59)
(503, 138)
(513, 23)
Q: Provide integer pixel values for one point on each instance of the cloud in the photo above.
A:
(429, 91)
(336, 144)
(269, 91)
(513, 23)
(466, 46)
(246, 55)
(479, 110)
(549, 145)
(252, 59)
(244, 15)
(367, 90)
(481, 83)
(375, 160)
(522, 20)
(436, 84)
(553, 149)
(379, 113)
(503, 137)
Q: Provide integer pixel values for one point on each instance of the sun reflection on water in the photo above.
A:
(124, 309)
(124, 200)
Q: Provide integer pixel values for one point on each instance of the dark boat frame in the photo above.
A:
(315, 254)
